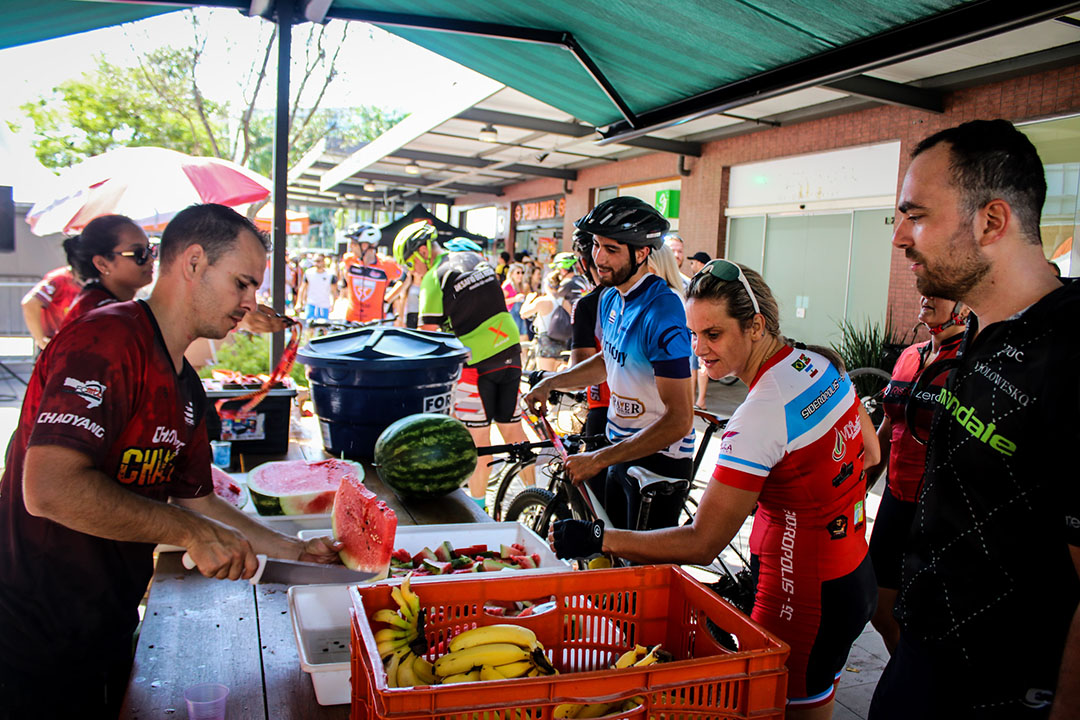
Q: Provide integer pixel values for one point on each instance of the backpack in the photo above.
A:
(559, 326)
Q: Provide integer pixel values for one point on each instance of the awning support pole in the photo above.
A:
(281, 171)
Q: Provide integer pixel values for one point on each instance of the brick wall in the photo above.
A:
(702, 223)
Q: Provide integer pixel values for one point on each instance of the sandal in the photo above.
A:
(700, 407)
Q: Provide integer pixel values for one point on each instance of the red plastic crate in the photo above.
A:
(599, 614)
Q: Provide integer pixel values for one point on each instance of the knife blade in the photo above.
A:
(295, 572)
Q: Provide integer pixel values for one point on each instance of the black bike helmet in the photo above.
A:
(626, 220)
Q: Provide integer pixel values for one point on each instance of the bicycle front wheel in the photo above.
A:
(537, 508)
(869, 383)
(507, 486)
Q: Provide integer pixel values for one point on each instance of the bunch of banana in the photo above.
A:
(402, 644)
(638, 656)
(494, 652)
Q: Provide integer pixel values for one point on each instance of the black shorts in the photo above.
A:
(891, 528)
(546, 347)
(482, 397)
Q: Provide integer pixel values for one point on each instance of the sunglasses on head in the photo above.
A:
(728, 272)
(141, 256)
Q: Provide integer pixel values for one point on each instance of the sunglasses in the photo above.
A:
(141, 256)
(728, 272)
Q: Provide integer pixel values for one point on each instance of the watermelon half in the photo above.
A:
(297, 487)
(425, 455)
(365, 525)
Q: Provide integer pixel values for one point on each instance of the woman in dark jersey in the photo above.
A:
(906, 456)
(113, 256)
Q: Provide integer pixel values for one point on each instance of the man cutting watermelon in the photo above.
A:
(110, 458)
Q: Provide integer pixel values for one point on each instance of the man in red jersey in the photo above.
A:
(47, 303)
(110, 458)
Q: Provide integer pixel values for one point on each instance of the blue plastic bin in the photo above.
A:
(363, 380)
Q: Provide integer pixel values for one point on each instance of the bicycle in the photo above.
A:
(870, 383)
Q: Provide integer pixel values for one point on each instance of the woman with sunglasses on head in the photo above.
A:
(795, 448)
(515, 290)
(114, 257)
(904, 449)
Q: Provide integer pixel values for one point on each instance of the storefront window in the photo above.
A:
(1058, 143)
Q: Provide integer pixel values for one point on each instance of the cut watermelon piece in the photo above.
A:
(471, 551)
(445, 551)
(506, 551)
(494, 565)
(425, 554)
(365, 525)
(297, 487)
(402, 555)
(519, 547)
(226, 488)
(462, 562)
(437, 567)
(524, 562)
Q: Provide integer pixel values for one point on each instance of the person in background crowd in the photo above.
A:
(503, 266)
(110, 458)
(673, 241)
(113, 256)
(365, 275)
(460, 291)
(45, 306)
(662, 263)
(535, 276)
(318, 290)
(801, 468)
(540, 307)
(571, 285)
(904, 453)
(697, 261)
(993, 558)
(292, 282)
(515, 290)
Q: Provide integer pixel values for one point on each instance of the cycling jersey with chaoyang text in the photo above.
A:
(987, 565)
(462, 289)
(907, 457)
(105, 387)
(644, 336)
(797, 441)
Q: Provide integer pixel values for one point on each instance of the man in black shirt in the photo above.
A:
(989, 592)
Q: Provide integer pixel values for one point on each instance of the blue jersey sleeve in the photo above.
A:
(668, 339)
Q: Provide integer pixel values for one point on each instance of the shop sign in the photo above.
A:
(667, 202)
(535, 210)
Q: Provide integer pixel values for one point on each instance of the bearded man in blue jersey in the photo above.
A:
(646, 362)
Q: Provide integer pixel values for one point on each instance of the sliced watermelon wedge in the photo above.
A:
(365, 525)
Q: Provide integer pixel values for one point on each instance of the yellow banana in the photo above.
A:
(404, 606)
(471, 676)
(393, 633)
(502, 633)
(389, 647)
(534, 672)
(595, 710)
(515, 669)
(488, 672)
(410, 597)
(406, 676)
(392, 669)
(649, 659)
(631, 656)
(566, 711)
(454, 663)
(390, 617)
(423, 670)
(540, 660)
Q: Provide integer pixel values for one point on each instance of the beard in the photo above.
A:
(960, 269)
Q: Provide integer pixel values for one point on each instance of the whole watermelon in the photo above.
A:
(425, 455)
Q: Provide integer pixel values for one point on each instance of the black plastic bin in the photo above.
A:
(363, 380)
(265, 429)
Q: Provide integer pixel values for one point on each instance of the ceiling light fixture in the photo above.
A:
(412, 168)
(488, 133)
(369, 187)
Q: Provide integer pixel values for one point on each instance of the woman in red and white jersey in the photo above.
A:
(906, 455)
(795, 448)
(113, 256)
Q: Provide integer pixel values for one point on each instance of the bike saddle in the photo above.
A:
(649, 480)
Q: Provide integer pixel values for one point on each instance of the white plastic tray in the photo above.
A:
(415, 537)
(320, 620)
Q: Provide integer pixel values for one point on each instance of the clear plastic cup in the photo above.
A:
(222, 450)
(206, 701)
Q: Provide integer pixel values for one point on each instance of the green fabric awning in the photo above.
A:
(653, 53)
(35, 20)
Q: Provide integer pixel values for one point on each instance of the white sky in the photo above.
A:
(376, 68)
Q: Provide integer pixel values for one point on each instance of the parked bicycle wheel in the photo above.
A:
(869, 384)
(505, 486)
(537, 508)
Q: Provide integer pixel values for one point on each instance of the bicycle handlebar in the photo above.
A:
(512, 447)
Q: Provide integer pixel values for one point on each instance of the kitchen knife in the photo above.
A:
(294, 572)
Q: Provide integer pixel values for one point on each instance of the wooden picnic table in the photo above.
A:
(197, 629)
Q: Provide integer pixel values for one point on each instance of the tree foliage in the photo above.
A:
(160, 102)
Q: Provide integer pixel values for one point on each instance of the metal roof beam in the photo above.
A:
(890, 93)
(481, 163)
(417, 181)
(557, 127)
(561, 173)
(963, 24)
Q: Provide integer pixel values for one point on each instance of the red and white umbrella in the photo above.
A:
(148, 184)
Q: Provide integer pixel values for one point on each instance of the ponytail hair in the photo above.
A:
(705, 286)
(99, 237)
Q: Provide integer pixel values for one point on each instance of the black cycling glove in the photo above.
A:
(578, 538)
